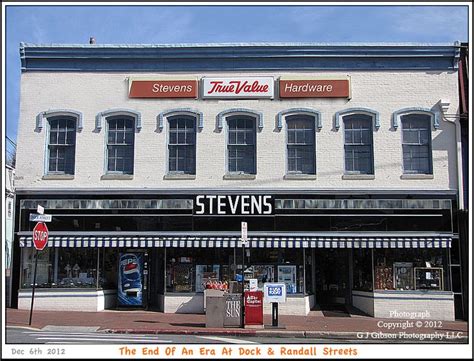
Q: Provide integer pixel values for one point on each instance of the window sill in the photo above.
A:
(358, 176)
(239, 176)
(417, 176)
(179, 176)
(300, 176)
(58, 176)
(116, 176)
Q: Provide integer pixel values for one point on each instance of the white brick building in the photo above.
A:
(363, 180)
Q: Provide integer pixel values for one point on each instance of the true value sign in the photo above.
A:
(40, 236)
(238, 87)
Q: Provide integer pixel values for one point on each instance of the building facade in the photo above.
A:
(339, 158)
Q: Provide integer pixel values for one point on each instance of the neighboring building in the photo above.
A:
(10, 156)
(339, 158)
(460, 261)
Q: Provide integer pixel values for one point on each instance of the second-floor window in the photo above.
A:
(120, 144)
(241, 145)
(416, 143)
(61, 145)
(301, 145)
(358, 144)
(182, 145)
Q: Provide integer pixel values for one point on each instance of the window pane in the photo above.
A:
(62, 139)
(416, 143)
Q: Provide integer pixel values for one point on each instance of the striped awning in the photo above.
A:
(254, 242)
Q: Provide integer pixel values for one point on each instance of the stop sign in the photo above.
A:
(40, 236)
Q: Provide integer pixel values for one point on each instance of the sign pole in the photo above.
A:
(243, 292)
(34, 286)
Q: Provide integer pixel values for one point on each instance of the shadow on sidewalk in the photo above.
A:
(188, 324)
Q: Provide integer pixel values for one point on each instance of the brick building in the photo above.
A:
(338, 157)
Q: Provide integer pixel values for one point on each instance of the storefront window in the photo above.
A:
(77, 268)
(362, 263)
(44, 270)
(415, 269)
(108, 268)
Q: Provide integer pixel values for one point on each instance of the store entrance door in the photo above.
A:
(332, 277)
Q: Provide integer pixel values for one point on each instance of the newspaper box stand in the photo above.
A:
(253, 307)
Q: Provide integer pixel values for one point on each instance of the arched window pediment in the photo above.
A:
(295, 111)
(414, 110)
(180, 111)
(99, 119)
(374, 114)
(41, 117)
(236, 111)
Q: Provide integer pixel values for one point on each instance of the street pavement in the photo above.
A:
(315, 327)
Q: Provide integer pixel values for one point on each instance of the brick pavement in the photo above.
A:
(313, 325)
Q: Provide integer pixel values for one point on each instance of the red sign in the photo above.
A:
(40, 236)
(315, 88)
(163, 89)
(253, 307)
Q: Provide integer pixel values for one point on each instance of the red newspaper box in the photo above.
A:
(253, 307)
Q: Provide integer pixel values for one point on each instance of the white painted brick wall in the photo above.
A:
(365, 304)
(87, 301)
(437, 305)
(91, 93)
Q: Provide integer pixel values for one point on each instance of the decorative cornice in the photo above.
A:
(179, 111)
(374, 114)
(293, 111)
(99, 119)
(236, 111)
(397, 114)
(237, 57)
(41, 117)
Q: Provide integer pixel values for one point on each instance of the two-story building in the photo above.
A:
(149, 157)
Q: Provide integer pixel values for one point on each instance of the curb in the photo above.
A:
(183, 332)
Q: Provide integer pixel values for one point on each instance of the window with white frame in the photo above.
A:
(301, 144)
(416, 143)
(241, 144)
(61, 145)
(358, 144)
(182, 145)
(120, 144)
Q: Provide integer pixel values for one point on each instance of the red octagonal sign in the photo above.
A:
(40, 236)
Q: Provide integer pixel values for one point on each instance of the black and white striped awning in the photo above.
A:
(254, 242)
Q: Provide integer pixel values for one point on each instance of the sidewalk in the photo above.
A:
(314, 325)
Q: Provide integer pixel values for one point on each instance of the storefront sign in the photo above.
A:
(169, 88)
(315, 88)
(239, 87)
(233, 205)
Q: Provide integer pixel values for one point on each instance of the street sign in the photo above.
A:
(40, 209)
(40, 236)
(244, 233)
(40, 217)
(274, 292)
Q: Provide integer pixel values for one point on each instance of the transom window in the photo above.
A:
(358, 144)
(120, 145)
(241, 144)
(301, 144)
(182, 145)
(416, 143)
(61, 145)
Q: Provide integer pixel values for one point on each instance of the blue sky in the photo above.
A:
(197, 24)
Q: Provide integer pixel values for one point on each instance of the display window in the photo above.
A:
(410, 269)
